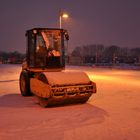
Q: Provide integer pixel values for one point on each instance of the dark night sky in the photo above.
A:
(108, 22)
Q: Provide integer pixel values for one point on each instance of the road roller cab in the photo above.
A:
(45, 49)
(43, 70)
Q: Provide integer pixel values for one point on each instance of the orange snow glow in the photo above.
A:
(117, 100)
(117, 76)
(100, 77)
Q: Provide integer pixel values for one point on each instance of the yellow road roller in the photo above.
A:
(43, 70)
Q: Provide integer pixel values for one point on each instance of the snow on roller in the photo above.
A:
(62, 87)
(43, 70)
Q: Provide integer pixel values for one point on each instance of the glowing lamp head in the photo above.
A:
(64, 15)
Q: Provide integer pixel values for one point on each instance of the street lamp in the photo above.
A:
(61, 16)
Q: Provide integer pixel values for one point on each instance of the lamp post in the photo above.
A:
(61, 16)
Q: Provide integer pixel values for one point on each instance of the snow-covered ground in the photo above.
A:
(111, 114)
